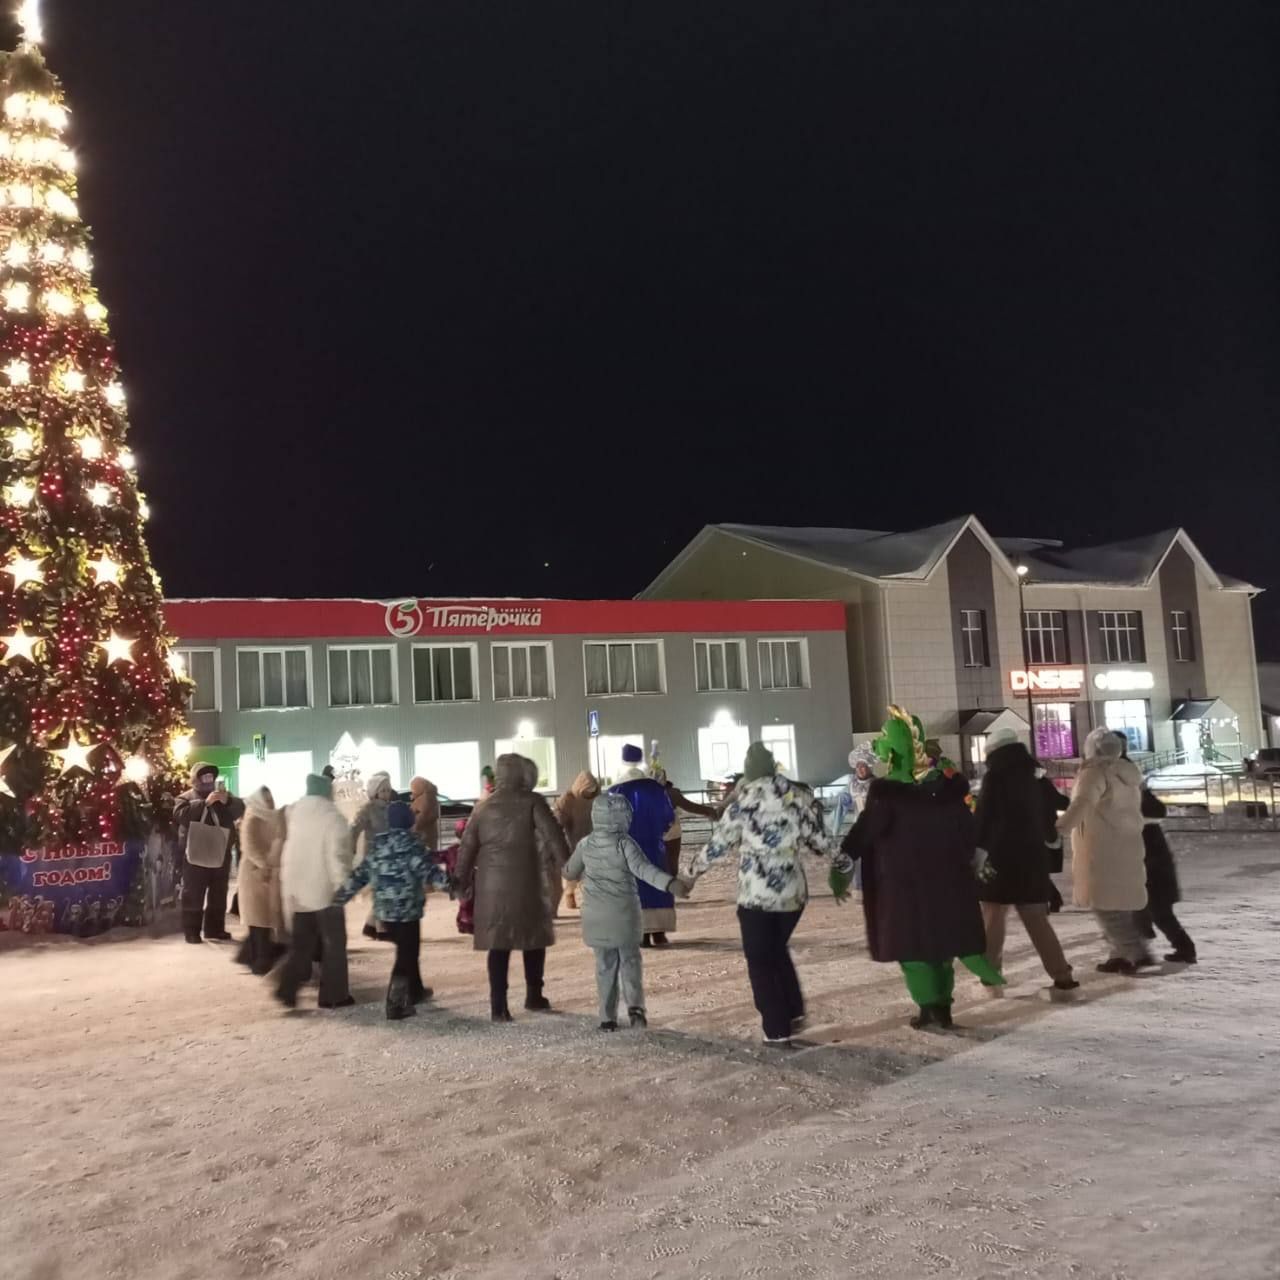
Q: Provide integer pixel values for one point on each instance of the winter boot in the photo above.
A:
(1181, 957)
(661, 940)
(536, 1002)
(424, 995)
(193, 938)
(500, 1015)
(1118, 964)
(927, 1019)
(399, 1002)
(943, 1014)
(638, 1020)
(647, 941)
(608, 1026)
(369, 932)
(1065, 984)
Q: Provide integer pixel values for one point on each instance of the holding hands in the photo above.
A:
(680, 887)
(839, 883)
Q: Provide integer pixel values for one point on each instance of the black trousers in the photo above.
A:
(1163, 918)
(328, 930)
(407, 935)
(259, 951)
(774, 983)
(535, 964)
(204, 899)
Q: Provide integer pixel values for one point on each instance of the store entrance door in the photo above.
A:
(1189, 741)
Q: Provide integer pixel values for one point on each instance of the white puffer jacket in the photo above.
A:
(1108, 869)
(317, 855)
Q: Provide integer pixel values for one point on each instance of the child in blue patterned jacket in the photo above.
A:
(400, 868)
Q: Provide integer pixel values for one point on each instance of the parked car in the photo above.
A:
(1264, 763)
(448, 808)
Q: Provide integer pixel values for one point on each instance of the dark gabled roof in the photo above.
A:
(1130, 563)
(870, 553)
(878, 555)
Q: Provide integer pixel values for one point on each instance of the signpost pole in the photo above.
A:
(1023, 571)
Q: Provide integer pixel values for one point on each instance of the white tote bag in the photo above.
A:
(207, 842)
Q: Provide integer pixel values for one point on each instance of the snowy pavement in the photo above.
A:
(165, 1119)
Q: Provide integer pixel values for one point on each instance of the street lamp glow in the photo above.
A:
(1023, 570)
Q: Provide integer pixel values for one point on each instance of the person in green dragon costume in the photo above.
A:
(920, 867)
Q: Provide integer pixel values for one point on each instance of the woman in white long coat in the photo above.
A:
(1108, 870)
(258, 885)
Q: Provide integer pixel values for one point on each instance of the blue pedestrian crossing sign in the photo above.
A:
(593, 723)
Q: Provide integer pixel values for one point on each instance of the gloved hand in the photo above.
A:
(982, 867)
(679, 888)
(839, 883)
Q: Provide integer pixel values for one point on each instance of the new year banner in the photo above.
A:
(79, 889)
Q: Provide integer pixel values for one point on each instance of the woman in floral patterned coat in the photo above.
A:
(769, 823)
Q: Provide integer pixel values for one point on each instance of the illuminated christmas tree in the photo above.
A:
(91, 706)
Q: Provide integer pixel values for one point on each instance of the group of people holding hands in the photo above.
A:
(937, 878)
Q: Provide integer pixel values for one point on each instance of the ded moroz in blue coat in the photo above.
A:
(652, 814)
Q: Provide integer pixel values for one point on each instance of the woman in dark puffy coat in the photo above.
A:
(511, 844)
(1011, 829)
(919, 895)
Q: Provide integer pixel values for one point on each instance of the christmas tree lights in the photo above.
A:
(91, 703)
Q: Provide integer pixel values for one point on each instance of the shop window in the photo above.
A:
(781, 740)
(1121, 635)
(542, 751)
(444, 673)
(521, 672)
(453, 766)
(784, 664)
(1132, 717)
(201, 665)
(722, 748)
(605, 754)
(1046, 637)
(1184, 649)
(362, 676)
(283, 773)
(720, 666)
(273, 679)
(973, 638)
(623, 666)
(1055, 734)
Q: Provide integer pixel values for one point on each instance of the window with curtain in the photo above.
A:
(362, 676)
(521, 671)
(784, 664)
(623, 666)
(201, 665)
(719, 665)
(272, 679)
(444, 673)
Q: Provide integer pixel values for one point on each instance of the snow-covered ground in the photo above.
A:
(165, 1119)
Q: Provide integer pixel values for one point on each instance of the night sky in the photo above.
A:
(510, 298)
